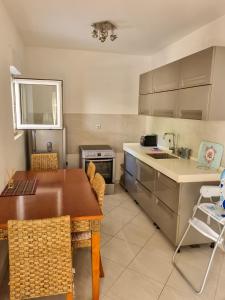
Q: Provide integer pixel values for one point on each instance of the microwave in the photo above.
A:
(149, 140)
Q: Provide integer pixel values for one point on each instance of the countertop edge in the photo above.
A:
(184, 178)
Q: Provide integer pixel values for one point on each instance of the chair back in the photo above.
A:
(91, 171)
(98, 185)
(40, 259)
(44, 161)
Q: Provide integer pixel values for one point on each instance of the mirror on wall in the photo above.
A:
(38, 103)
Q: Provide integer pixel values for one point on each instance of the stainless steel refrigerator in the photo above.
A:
(39, 141)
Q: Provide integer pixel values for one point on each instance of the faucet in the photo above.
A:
(173, 140)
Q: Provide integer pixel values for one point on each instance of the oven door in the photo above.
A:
(103, 166)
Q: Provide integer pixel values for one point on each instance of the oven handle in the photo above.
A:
(100, 160)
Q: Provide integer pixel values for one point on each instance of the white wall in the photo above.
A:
(94, 82)
(11, 151)
(212, 34)
(190, 133)
(11, 52)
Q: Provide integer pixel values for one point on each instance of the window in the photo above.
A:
(38, 103)
(14, 72)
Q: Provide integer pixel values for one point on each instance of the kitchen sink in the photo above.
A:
(161, 155)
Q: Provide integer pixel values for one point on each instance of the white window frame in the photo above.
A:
(57, 83)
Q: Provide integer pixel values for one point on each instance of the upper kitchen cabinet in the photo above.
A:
(164, 104)
(193, 103)
(167, 77)
(199, 82)
(217, 101)
(146, 83)
(145, 104)
(196, 69)
(38, 103)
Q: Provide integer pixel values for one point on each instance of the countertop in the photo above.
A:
(180, 170)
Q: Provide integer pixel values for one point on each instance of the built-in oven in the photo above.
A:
(103, 157)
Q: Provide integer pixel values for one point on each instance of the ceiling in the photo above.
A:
(144, 26)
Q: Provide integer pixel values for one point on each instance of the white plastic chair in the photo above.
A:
(213, 211)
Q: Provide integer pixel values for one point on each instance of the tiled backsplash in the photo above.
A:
(189, 133)
(114, 130)
(117, 129)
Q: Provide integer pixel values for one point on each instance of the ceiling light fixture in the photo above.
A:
(102, 29)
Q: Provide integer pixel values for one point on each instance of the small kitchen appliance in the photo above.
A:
(149, 140)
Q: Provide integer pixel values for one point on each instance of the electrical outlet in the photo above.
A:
(98, 126)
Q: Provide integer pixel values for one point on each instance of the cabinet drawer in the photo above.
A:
(129, 182)
(167, 190)
(166, 219)
(146, 175)
(146, 200)
(130, 163)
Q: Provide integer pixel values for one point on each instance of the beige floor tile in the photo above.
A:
(169, 293)
(112, 271)
(105, 238)
(130, 205)
(152, 263)
(195, 275)
(160, 243)
(123, 214)
(120, 251)
(143, 222)
(116, 219)
(220, 291)
(111, 225)
(134, 234)
(134, 286)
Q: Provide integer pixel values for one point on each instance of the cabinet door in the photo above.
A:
(193, 103)
(129, 182)
(146, 175)
(146, 200)
(145, 104)
(130, 163)
(167, 220)
(164, 104)
(167, 190)
(146, 83)
(167, 77)
(196, 69)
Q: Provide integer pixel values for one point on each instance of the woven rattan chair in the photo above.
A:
(40, 258)
(3, 234)
(81, 231)
(91, 171)
(44, 161)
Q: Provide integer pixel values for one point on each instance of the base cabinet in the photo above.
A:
(169, 204)
(146, 200)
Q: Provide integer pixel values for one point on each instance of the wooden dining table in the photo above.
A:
(59, 193)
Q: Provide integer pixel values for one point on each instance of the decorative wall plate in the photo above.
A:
(210, 155)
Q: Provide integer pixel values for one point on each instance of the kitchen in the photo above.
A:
(100, 106)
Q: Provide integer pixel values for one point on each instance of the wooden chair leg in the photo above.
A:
(69, 296)
(101, 268)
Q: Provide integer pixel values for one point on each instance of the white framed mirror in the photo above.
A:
(38, 103)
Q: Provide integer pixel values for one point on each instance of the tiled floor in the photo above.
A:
(137, 260)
